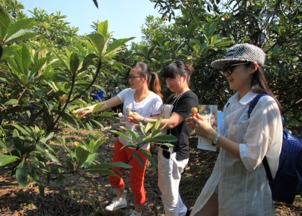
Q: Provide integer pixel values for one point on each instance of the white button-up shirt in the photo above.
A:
(241, 184)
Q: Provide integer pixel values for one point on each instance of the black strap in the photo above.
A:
(267, 169)
(264, 161)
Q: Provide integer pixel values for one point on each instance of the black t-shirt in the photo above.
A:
(182, 105)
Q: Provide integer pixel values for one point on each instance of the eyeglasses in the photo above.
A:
(230, 68)
(131, 78)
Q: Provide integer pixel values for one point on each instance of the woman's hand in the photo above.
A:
(134, 117)
(82, 111)
(200, 126)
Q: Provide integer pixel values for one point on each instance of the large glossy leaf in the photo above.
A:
(22, 34)
(8, 51)
(102, 29)
(21, 174)
(6, 159)
(135, 155)
(23, 59)
(90, 159)
(62, 60)
(74, 63)
(87, 61)
(23, 129)
(52, 157)
(152, 160)
(81, 155)
(117, 45)
(19, 30)
(165, 138)
(38, 65)
(149, 126)
(4, 21)
(98, 42)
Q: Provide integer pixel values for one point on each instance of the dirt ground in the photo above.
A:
(82, 197)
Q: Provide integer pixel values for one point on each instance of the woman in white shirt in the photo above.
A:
(143, 97)
(238, 185)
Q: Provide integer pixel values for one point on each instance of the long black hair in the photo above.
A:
(259, 84)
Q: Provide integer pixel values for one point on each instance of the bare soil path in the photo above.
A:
(80, 197)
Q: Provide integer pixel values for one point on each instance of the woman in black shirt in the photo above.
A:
(172, 161)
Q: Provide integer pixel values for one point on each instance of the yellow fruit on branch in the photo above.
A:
(62, 99)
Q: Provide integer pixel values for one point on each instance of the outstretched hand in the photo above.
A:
(79, 113)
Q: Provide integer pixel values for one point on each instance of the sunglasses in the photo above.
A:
(230, 68)
(131, 78)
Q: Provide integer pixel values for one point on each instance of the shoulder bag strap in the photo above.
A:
(265, 163)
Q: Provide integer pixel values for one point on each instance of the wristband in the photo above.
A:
(216, 139)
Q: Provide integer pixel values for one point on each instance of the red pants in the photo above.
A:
(137, 172)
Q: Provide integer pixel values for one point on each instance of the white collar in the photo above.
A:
(247, 98)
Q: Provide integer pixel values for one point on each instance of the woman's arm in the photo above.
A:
(115, 101)
(167, 123)
(205, 129)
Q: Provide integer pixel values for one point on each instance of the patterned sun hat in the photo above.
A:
(241, 52)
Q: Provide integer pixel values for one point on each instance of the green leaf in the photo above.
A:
(157, 124)
(74, 63)
(6, 159)
(165, 138)
(149, 126)
(98, 42)
(117, 45)
(94, 145)
(152, 160)
(5, 20)
(81, 156)
(52, 157)
(20, 36)
(19, 25)
(53, 85)
(138, 157)
(97, 107)
(102, 29)
(24, 130)
(90, 159)
(64, 63)
(9, 51)
(87, 61)
(38, 65)
(21, 175)
(11, 102)
(156, 133)
(133, 134)
(25, 59)
(121, 134)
